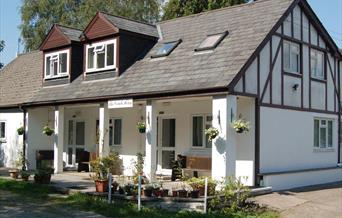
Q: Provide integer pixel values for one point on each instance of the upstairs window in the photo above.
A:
(211, 41)
(166, 48)
(57, 64)
(317, 64)
(100, 56)
(323, 133)
(291, 57)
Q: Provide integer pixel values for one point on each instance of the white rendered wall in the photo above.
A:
(13, 143)
(293, 180)
(286, 141)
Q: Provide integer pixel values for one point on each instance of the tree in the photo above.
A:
(39, 15)
(179, 8)
(2, 46)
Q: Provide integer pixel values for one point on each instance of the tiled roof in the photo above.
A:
(132, 25)
(183, 69)
(20, 79)
(71, 33)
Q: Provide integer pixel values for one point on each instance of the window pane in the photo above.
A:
(320, 66)
(167, 158)
(210, 41)
(117, 131)
(286, 56)
(316, 133)
(100, 60)
(80, 133)
(313, 64)
(166, 48)
(295, 58)
(2, 130)
(63, 62)
(71, 132)
(90, 58)
(197, 131)
(168, 133)
(330, 133)
(110, 54)
(55, 67)
(70, 156)
(47, 67)
(323, 137)
(111, 134)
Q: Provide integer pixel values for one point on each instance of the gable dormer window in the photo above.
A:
(101, 56)
(56, 64)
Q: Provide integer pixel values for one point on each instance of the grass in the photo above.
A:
(85, 202)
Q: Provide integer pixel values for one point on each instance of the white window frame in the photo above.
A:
(112, 125)
(314, 55)
(297, 52)
(102, 43)
(325, 126)
(3, 139)
(59, 74)
(205, 122)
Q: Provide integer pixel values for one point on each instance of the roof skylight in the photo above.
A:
(211, 41)
(166, 48)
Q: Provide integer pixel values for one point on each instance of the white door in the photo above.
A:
(166, 144)
(76, 142)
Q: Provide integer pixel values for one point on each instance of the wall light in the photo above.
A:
(295, 87)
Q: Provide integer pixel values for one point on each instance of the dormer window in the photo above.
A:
(166, 48)
(100, 56)
(211, 41)
(56, 64)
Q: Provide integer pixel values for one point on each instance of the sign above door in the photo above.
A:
(123, 103)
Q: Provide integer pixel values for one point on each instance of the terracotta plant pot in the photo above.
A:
(25, 178)
(182, 193)
(14, 173)
(157, 193)
(195, 194)
(174, 193)
(148, 193)
(101, 186)
(165, 192)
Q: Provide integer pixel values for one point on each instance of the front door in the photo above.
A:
(166, 144)
(76, 141)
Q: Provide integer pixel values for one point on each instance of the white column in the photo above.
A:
(224, 146)
(103, 130)
(25, 136)
(58, 139)
(151, 140)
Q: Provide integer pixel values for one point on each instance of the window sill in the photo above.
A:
(318, 80)
(56, 78)
(100, 71)
(3, 141)
(294, 74)
(320, 150)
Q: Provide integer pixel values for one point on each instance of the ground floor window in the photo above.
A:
(115, 131)
(323, 133)
(199, 124)
(2, 130)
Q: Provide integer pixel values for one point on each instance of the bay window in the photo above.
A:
(199, 124)
(291, 56)
(317, 64)
(100, 56)
(56, 64)
(323, 133)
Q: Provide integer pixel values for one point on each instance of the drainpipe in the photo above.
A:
(24, 138)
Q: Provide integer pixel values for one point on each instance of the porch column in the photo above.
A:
(224, 146)
(103, 130)
(151, 140)
(58, 139)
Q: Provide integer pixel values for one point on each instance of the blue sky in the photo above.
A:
(329, 13)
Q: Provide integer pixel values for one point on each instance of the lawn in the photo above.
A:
(33, 192)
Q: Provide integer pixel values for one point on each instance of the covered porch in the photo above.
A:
(174, 126)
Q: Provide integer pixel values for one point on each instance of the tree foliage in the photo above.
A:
(179, 8)
(39, 15)
(2, 46)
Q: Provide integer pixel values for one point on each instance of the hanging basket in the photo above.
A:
(48, 131)
(141, 127)
(20, 130)
(212, 133)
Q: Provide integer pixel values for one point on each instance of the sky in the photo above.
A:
(330, 15)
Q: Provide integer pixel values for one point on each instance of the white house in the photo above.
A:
(271, 63)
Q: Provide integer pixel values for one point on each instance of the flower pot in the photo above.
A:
(195, 194)
(148, 192)
(101, 186)
(142, 130)
(114, 187)
(165, 192)
(182, 193)
(25, 177)
(157, 193)
(240, 130)
(174, 193)
(42, 179)
(14, 173)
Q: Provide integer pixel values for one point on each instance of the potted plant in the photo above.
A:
(48, 131)
(14, 173)
(212, 133)
(196, 184)
(141, 127)
(240, 126)
(25, 175)
(174, 193)
(115, 186)
(129, 189)
(43, 175)
(121, 190)
(182, 193)
(21, 130)
(148, 190)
